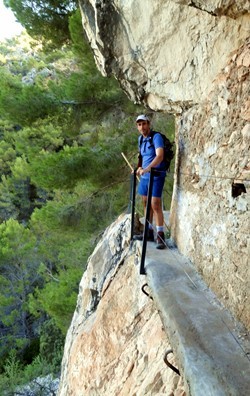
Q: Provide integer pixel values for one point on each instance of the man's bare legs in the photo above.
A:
(156, 210)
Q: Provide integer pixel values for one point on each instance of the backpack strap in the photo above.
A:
(139, 165)
(151, 135)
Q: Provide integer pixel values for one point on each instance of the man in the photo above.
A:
(151, 154)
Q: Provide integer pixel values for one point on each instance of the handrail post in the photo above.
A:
(133, 206)
(147, 217)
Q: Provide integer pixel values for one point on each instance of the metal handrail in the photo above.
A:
(133, 193)
(147, 217)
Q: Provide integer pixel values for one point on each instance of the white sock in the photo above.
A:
(160, 228)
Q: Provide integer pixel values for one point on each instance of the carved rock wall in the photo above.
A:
(192, 58)
(210, 212)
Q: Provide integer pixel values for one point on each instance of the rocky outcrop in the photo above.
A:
(116, 342)
(192, 58)
(164, 53)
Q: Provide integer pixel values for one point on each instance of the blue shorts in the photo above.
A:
(158, 185)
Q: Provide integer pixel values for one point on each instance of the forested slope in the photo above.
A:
(63, 180)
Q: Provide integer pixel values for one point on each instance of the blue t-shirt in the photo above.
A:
(148, 152)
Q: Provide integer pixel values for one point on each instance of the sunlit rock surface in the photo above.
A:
(116, 342)
(164, 53)
(233, 8)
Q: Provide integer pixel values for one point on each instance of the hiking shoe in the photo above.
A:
(160, 241)
(150, 237)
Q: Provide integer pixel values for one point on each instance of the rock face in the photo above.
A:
(233, 9)
(164, 53)
(192, 58)
(116, 342)
(210, 212)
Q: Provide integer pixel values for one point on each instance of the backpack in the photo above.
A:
(168, 149)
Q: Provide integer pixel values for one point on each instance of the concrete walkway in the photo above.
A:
(213, 357)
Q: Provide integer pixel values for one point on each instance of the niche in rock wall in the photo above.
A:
(238, 189)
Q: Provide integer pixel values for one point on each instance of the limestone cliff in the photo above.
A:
(164, 53)
(116, 342)
(192, 58)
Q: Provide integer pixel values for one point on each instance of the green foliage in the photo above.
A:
(51, 344)
(79, 43)
(7, 205)
(60, 170)
(12, 369)
(44, 19)
(23, 104)
(15, 377)
(7, 156)
(67, 167)
(29, 95)
(43, 136)
(58, 301)
(63, 249)
(18, 197)
(18, 269)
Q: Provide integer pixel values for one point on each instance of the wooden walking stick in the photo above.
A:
(124, 156)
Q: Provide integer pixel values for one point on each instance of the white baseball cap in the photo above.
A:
(142, 117)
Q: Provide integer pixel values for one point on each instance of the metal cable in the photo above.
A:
(206, 176)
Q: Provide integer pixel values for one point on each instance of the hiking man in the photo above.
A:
(151, 155)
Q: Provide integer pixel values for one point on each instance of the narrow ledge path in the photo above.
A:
(211, 348)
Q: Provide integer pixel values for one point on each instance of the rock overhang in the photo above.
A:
(164, 54)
